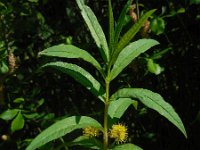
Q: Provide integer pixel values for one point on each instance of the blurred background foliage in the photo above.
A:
(31, 99)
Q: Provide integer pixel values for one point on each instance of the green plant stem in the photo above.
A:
(105, 135)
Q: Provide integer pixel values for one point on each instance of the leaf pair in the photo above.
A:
(17, 122)
(76, 72)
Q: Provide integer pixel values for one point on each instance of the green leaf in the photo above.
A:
(130, 52)
(17, 123)
(128, 36)
(118, 107)
(95, 29)
(194, 1)
(158, 25)
(31, 116)
(154, 67)
(121, 20)
(111, 26)
(153, 101)
(33, 1)
(71, 51)
(160, 54)
(9, 114)
(80, 75)
(87, 142)
(3, 68)
(181, 10)
(19, 100)
(62, 128)
(127, 147)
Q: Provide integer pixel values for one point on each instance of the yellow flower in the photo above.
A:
(91, 132)
(119, 133)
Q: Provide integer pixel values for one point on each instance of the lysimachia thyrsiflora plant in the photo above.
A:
(117, 54)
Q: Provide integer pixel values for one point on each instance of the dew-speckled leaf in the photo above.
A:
(62, 128)
(127, 147)
(95, 29)
(70, 51)
(128, 36)
(87, 142)
(130, 52)
(80, 75)
(153, 101)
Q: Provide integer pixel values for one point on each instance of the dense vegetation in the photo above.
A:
(43, 97)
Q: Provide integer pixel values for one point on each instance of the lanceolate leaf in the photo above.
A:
(121, 20)
(130, 34)
(71, 51)
(80, 75)
(95, 29)
(153, 101)
(127, 147)
(62, 128)
(87, 142)
(111, 26)
(129, 53)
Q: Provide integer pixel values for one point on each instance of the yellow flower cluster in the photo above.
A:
(119, 133)
(91, 132)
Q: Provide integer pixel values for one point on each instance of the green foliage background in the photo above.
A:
(29, 26)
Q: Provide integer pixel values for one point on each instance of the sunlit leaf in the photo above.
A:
(153, 101)
(62, 128)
